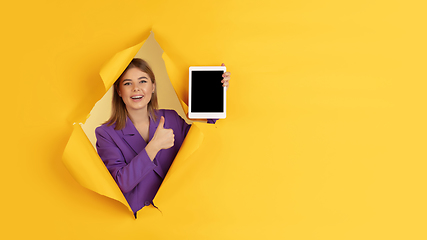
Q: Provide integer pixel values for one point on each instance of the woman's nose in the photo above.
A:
(135, 88)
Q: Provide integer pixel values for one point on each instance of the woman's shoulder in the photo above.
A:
(106, 125)
(172, 118)
(104, 128)
(167, 113)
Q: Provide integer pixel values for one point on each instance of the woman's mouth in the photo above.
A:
(136, 98)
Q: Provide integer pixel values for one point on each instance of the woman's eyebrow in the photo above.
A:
(130, 80)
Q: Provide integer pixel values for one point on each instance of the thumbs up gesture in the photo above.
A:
(163, 138)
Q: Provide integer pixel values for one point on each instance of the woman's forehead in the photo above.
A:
(134, 74)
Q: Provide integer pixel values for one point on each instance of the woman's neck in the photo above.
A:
(139, 116)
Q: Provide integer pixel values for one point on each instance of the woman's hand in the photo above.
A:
(226, 78)
(163, 139)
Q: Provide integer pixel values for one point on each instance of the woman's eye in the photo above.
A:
(128, 83)
(143, 81)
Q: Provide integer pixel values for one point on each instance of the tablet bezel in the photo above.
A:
(205, 115)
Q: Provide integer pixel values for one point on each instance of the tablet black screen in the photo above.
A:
(207, 91)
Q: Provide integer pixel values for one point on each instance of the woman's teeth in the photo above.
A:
(137, 97)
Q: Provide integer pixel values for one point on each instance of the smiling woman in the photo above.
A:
(139, 142)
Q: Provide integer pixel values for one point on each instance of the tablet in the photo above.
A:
(206, 95)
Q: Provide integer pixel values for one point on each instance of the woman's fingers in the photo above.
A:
(225, 83)
(226, 79)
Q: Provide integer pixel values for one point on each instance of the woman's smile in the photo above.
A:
(137, 98)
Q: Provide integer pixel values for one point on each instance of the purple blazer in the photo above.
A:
(123, 153)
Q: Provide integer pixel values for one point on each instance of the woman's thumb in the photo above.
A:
(162, 122)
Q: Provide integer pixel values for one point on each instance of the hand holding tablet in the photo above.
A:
(207, 92)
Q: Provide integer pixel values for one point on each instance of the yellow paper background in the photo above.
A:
(324, 136)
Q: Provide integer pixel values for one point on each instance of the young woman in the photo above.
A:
(139, 142)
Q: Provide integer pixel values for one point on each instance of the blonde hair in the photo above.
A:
(119, 112)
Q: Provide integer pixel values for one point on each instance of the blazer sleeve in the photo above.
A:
(126, 175)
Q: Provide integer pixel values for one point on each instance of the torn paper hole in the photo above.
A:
(80, 156)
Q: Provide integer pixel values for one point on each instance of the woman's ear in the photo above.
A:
(154, 87)
(118, 92)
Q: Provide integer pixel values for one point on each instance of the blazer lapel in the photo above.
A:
(132, 137)
(153, 128)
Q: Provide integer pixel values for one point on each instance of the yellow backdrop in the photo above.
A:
(324, 138)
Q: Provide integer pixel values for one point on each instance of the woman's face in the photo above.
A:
(135, 89)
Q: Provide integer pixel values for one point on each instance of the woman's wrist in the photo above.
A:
(152, 149)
